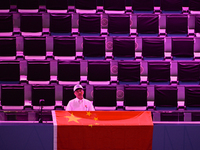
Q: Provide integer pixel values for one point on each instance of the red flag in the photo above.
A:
(97, 130)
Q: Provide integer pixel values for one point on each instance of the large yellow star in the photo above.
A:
(72, 118)
(88, 113)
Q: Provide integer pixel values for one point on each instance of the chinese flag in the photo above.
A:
(103, 130)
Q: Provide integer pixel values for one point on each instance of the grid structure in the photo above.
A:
(119, 48)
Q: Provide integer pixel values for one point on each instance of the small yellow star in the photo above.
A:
(90, 125)
(88, 113)
(72, 118)
(95, 118)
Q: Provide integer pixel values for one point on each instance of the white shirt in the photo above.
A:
(79, 105)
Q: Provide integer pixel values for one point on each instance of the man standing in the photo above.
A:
(79, 103)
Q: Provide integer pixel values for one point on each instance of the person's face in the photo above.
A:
(79, 93)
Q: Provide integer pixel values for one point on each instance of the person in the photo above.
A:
(79, 103)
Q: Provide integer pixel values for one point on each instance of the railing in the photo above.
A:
(32, 116)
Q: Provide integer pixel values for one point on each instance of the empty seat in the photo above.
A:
(177, 25)
(5, 6)
(68, 94)
(147, 24)
(69, 71)
(188, 72)
(135, 97)
(63, 21)
(34, 47)
(28, 6)
(192, 97)
(38, 71)
(165, 97)
(171, 6)
(104, 97)
(123, 48)
(159, 72)
(99, 71)
(143, 5)
(31, 24)
(194, 5)
(89, 24)
(10, 72)
(85, 5)
(94, 48)
(64, 47)
(153, 48)
(7, 47)
(183, 48)
(112, 5)
(128, 72)
(197, 24)
(12, 96)
(119, 24)
(57, 6)
(6, 24)
(43, 92)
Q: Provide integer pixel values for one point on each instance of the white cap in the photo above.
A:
(78, 86)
